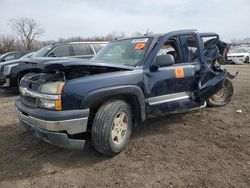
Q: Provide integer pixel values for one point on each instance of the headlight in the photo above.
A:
(53, 89)
(7, 68)
(50, 104)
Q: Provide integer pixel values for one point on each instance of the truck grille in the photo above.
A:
(32, 85)
(29, 101)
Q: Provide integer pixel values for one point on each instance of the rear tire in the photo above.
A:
(112, 127)
(223, 96)
(247, 60)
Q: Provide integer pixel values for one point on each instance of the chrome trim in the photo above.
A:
(26, 92)
(168, 98)
(71, 126)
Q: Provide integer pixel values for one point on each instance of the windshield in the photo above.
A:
(240, 50)
(42, 52)
(126, 52)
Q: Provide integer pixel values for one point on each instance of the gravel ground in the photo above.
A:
(205, 148)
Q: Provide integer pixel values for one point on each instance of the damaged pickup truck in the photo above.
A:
(127, 82)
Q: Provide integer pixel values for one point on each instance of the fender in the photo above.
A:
(132, 92)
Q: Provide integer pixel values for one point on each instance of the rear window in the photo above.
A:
(189, 46)
(82, 49)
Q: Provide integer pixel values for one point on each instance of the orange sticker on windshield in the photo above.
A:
(179, 72)
(139, 46)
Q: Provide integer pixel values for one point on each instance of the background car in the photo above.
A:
(239, 55)
(83, 50)
(12, 56)
(12, 72)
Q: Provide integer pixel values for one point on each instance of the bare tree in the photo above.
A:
(7, 43)
(27, 30)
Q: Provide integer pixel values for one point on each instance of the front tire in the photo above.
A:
(223, 96)
(247, 60)
(112, 127)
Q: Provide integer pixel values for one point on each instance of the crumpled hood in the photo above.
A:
(30, 60)
(65, 64)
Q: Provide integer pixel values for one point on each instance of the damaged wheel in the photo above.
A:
(223, 96)
(112, 127)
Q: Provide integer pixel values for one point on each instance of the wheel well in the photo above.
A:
(21, 74)
(130, 99)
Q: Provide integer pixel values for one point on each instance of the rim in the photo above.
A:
(220, 95)
(119, 128)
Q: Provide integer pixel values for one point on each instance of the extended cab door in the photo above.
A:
(170, 88)
(211, 78)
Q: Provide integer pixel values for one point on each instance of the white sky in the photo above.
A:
(69, 18)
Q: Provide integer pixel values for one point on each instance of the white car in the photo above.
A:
(239, 55)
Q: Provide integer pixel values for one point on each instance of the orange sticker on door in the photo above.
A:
(179, 72)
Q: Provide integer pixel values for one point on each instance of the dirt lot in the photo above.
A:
(206, 148)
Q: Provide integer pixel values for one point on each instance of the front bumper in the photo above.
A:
(3, 80)
(7, 83)
(236, 60)
(54, 127)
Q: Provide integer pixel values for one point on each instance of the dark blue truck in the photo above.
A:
(127, 82)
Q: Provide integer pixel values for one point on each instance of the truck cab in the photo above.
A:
(127, 82)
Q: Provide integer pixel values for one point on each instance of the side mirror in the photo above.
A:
(165, 60)
(52, 54)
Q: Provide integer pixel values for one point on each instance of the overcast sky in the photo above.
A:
(68, 18)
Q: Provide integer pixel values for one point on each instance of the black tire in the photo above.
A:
(247, 60)
(223, 96)
(104, 126)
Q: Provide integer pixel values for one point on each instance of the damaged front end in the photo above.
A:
(41, 108)
(47, 87)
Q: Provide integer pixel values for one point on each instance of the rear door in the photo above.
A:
(211, 77)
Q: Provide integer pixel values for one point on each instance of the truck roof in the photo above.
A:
(177, 32)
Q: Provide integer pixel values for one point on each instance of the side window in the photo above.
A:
(189, 46)
(18, 55)
(10, 57)
(170, 47)
(82, 49)
(60, 51)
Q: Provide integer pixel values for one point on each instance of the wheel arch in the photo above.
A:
(129, 93)
(26, 71)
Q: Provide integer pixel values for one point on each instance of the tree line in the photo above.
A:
(26, 32)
